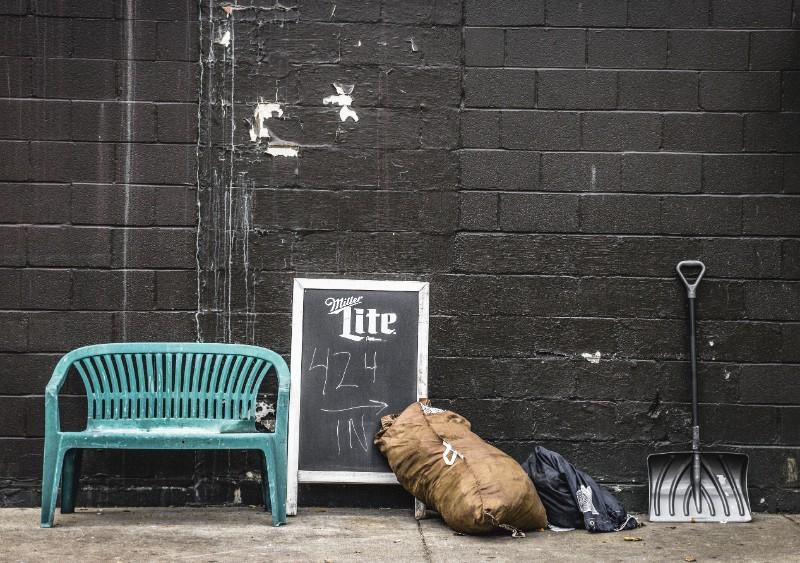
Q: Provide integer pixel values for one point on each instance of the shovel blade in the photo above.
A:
(723, 488)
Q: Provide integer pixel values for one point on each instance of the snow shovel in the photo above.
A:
(694, 486)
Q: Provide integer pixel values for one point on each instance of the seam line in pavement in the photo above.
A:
(790, 519)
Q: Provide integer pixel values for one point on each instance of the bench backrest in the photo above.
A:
(193, 385)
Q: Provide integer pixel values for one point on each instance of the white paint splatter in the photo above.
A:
(224, 39)
(359, 43)
(263, 112)
(259, 130)
(414, 47)
(592, 358)
(289, 150)
(343, 99)
(711, 343)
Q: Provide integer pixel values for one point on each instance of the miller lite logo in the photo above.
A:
(359, 323)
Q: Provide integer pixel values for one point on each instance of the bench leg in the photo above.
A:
(265, 477)
(276, 466)
(72, 472)
(51, 477)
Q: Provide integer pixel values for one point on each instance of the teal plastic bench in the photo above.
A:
(166, 396)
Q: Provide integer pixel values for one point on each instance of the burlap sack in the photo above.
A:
(474, 486)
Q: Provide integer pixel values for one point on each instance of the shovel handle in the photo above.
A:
(691, 288)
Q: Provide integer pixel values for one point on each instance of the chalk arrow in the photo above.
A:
(380, 405)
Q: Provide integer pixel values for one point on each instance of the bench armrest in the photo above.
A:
(282, 406)
(52, 423)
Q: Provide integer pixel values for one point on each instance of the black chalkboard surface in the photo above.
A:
(359, 352)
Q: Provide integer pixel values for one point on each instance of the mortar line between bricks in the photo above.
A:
(72, 183)
(704, 322)
(622, 152)
(777, 447)
(113, 226)
(96, 100)
(188, 62)
(588, 277)
(584, 111)
(626, 28)
(654, 235)
(633, 193)
(108, 142)
(606, 69)
(573, 234)
(118, 18)
(572, 398)
(34, 268)
(651, 444)
(626, 359)
(518, 399)
(463, 316)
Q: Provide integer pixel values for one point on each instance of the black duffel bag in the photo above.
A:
(572, 498)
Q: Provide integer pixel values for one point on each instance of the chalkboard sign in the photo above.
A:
(359, 352)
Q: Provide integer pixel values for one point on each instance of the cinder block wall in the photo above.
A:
(98, 121)
(544, 164)
(601, 143)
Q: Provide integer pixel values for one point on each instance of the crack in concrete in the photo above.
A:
(425, 548)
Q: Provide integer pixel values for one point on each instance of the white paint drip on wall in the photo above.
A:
(130, 95)
(198, 196)
(592, 358)
(230, 191)
(343, 99)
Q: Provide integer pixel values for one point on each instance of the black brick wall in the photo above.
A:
(544, 164)
(601, 142)
(98, 133)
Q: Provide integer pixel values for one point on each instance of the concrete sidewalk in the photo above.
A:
(319, 534)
